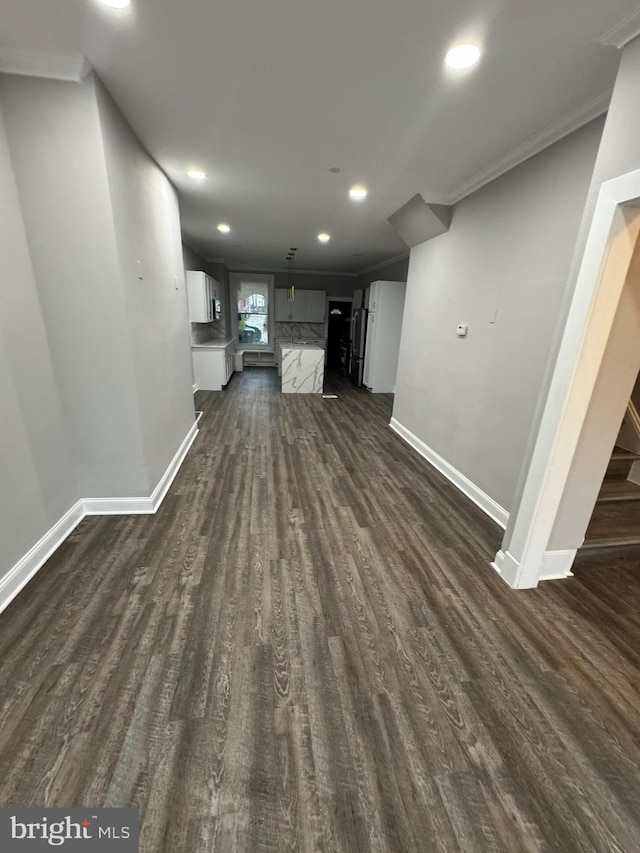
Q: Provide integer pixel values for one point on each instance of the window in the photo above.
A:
(253, 298)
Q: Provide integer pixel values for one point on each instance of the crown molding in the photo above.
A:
(379, 266)
(570, 122)
(625, 30)
(284, 270)
(29, 63)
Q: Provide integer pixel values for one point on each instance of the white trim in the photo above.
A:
(195, 387)
(20, 575)
(29, 63)
(535, 144)
(621, 33)
(507, 567)
(473, 492)
(118, 506)
(403, 257)
(158, 494)
(555, 565)
(600, 281)
(282, 270)
(634, 416)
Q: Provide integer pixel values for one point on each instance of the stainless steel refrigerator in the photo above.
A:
(358, 345)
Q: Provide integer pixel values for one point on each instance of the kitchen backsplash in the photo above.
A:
(301, 331)
(203, 332)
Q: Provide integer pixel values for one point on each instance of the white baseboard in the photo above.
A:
(32, 562)
(20, 575)
(143, 505)
(473, 492)
(157, 496)
(556, 565)
(118, 506)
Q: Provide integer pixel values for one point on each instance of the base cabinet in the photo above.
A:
(213, 368)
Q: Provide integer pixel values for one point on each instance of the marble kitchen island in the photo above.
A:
(301, 367)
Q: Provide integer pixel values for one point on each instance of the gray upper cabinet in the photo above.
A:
(309, 306)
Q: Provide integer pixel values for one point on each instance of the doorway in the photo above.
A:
(338, 328)
(594, 374)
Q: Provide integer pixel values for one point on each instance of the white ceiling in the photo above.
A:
(267, 95)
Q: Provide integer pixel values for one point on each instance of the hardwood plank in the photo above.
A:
(305, 649)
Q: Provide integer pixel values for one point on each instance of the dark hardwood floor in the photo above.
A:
(306, 649)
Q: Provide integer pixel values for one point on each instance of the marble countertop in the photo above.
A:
(301, 346)
(220, 343)
(302, 368)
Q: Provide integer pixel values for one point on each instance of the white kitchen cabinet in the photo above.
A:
(315, 307)
(202, 291)
(384, 329)
(374, 290)
(309, 306)
(290, 311)
(213, 366)
(229, 363)
(282, 305)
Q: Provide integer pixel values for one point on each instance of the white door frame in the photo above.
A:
(532, 550)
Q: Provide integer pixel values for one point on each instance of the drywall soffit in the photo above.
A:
(73, 68)
(622, 32)
(418, 221)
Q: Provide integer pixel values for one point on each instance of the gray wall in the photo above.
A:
(506, 258)
(38, 483)
(619, 153)
(55, 139)
(335, 285)
(147, 226)
(396, 271)
(93, 204)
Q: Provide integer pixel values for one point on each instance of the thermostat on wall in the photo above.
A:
(461, 330)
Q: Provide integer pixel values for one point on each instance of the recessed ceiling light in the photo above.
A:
(358, 192)
(196, 174)
(462, 56)
(116, 4)
(224, 228)
(324, 237)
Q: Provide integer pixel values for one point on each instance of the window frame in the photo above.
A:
(235, 280)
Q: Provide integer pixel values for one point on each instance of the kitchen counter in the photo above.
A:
(213, 363)
(218, 343)
(301, 367)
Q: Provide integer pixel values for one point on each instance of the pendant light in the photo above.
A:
(291, 291)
